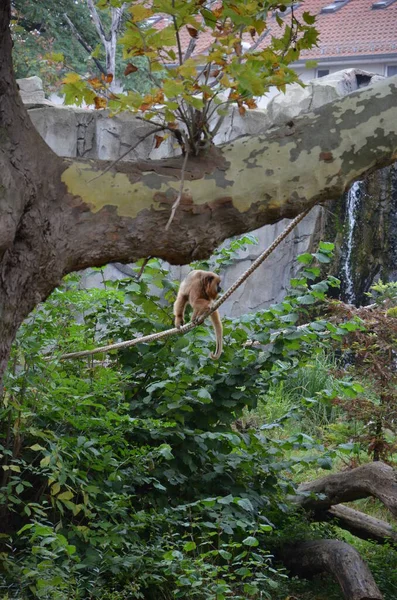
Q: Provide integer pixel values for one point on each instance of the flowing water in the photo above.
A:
(352, 207)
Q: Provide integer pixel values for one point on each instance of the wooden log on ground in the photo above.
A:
(338, 559)
(362, 525)
(374, 479)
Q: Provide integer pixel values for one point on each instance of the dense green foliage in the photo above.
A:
(46, 46)
(136, 475)
(43, 42)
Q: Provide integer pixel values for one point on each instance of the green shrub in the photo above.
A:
(123, 475)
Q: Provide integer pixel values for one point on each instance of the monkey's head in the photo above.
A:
(212, 285)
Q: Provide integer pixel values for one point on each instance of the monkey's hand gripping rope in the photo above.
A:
(215, 306)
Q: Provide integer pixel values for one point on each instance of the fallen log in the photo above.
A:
(374, 479)
(362, 525)
(340, 560)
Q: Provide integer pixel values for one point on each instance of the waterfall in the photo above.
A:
(352, 206)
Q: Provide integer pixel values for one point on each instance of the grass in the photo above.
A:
(305, 387)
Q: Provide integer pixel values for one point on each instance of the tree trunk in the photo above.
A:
(109, 40)
(340, 560)
(35, 221)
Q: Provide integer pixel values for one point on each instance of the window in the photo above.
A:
(391, 70)
(382, 4)
(322, 72)
(336, 5)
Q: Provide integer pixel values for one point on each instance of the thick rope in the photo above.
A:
(215, 306)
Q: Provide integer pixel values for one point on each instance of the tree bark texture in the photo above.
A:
(340, 560)
(59, 215)
(32, 230)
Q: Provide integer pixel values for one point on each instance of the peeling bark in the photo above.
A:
(246, 183)
(374, 479)
(340, 560)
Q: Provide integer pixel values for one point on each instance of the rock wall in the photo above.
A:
(373, 240)
(82, 132)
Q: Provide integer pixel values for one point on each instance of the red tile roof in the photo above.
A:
(354, 30)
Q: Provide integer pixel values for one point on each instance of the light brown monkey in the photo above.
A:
(199, 289)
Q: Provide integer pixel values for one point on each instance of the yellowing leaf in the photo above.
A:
(165, 37)
(55, 489)
(108, 78)
(173, 88)
(95, 82)
(100, 102)
(225, 81)
(188, 69)
(36, 447)
(140, 12)
(251, 103)
(45, 461)
(68, 495)
(71, 78)
(77, 508)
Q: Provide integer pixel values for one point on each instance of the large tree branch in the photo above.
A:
(238, 187)
(323, 496)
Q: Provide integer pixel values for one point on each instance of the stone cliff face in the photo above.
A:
(363, 224)
(364, 228)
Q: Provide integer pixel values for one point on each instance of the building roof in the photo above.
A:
(355, 29)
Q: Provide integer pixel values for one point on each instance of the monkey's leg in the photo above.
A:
(179, 310)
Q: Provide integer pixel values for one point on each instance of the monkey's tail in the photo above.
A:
(217, 323)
